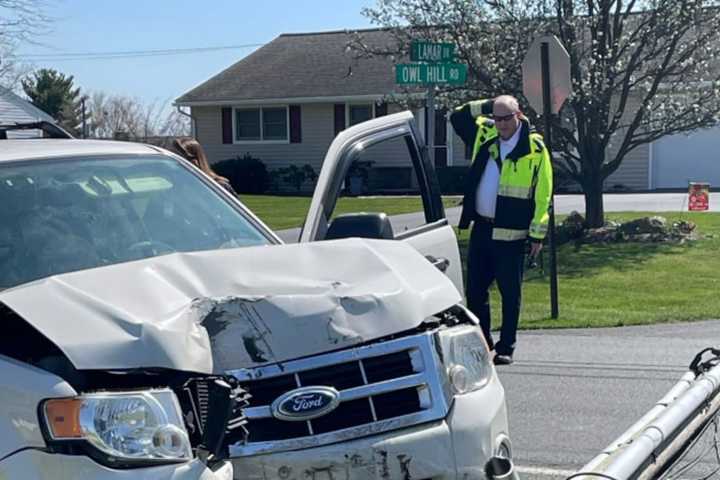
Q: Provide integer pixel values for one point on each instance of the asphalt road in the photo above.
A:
(571, 392)
(627, 202)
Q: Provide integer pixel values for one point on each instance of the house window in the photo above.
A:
(359, 113)
(275, 123)
(261, 124)
(247, 124)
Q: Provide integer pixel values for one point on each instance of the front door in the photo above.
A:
(387, 155)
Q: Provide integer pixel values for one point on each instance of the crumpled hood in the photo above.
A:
(227, 309)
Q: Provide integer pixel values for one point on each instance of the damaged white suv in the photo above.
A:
(141, 304)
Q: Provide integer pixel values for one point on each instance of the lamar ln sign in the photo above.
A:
(432, 52)
(424, 74)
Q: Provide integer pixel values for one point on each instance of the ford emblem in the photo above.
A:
(305, 403)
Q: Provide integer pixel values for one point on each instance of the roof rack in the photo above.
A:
(50, 130)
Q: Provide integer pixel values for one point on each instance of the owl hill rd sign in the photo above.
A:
(424, 74)
(435, 66)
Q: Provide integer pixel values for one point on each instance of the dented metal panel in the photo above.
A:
(421, 452)
(236, 308)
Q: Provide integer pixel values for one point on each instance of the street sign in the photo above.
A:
(424, 74)
(559, 67)
(431, 52)
(435, 67)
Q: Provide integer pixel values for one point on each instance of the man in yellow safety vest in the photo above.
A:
(507, 196)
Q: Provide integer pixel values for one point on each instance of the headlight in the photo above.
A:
(126, 427)
(466, 358)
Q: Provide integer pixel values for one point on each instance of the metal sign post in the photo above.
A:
(545, 66)
(546, 85)
(430, 140)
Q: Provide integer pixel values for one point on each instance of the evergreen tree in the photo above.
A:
(55, 94)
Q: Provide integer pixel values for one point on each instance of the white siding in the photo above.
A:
(317, 133)
(459, 159)
(633, 171)
(317, 124)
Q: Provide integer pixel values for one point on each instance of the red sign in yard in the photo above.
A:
(699, 196)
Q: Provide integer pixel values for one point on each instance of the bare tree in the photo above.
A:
(640, 69)
(21, 21)
(110, 114)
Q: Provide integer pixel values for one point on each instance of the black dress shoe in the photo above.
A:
(503, 359)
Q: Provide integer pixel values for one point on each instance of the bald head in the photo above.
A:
(507, 103)
(506, 112)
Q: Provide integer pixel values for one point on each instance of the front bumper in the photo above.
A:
(39, 465)
(455, 447)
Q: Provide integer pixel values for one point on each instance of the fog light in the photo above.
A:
(466, 359)
(170, 441)
(459, 380)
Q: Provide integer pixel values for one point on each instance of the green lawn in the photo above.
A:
(287, 212)
(627, 284)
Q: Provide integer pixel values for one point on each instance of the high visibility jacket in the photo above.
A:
(525, 175)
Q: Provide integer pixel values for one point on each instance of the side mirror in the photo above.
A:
(365, 225)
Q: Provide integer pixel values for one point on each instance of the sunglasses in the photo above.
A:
(503, 118)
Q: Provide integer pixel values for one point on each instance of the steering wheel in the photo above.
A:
(150, 248)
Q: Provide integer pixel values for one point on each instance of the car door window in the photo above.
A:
(393, 143)
(387, 175)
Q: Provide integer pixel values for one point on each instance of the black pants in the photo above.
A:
(501, 261)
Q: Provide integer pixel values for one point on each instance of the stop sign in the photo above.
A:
(559, 64)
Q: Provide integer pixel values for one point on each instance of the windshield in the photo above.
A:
(62, 216)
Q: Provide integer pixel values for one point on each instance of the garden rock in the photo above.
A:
(645, 225)
(642, 230)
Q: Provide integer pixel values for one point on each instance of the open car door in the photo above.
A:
(393, 143)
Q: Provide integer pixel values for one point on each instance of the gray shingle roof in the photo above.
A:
(303, 65)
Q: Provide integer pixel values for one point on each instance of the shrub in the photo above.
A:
(356, 180)
(296, 176)
(246, 174)
(452, 179)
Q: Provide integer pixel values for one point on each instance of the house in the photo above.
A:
(285, 103)
(14, 109)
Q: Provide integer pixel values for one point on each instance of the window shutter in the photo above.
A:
(227, 133)
(339, 118)
(295, 124)
(381, 109)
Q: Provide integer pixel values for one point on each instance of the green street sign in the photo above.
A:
(432, 52)
(425, 74)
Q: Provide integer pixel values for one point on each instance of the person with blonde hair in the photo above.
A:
(191, 150)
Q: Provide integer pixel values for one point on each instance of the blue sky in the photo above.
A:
(131, 25)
